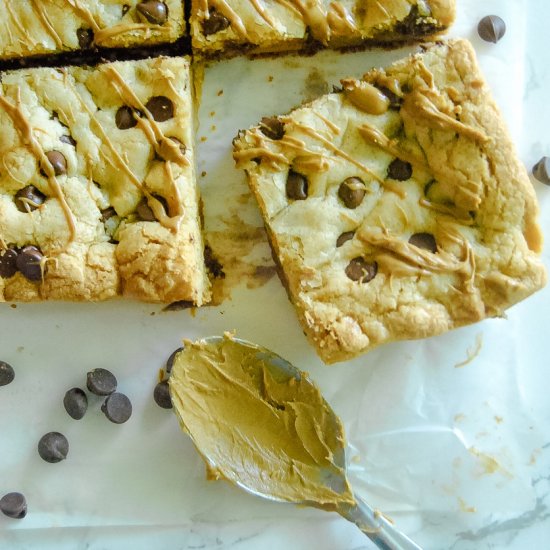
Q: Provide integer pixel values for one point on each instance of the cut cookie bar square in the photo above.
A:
(97, 184)
(221, 27)
(41, 27)
(397, 208)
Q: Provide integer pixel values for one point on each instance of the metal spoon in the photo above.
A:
(257, 363)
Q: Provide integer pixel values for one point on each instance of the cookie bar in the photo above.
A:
(257, 26)
(396, 208)
(97, 184)
(41, 27)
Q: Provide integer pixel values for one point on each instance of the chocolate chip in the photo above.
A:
(491, 28)
(425, 241)
(125, 9)
(75, 403)
(399, 170)
(29, 198)
(182, 146)
(212, 263)
(125, 118)
(152, 11)
(117, 408)
(28, 262)
(14, 505)
(57, 161)
(344, 238)
(416, 24)
(361, 270)
(296, 186)
(395, 100)
(272, 127)
(145, 212)
(68, 139)
(101, 382)
(107, 213)
(53, 447)
(171, 359)
(8, 263)
(85, 37)
(161, 395)
(7, 374)
(541, 170)
(216, 22)
(160, 107)
(352, 191)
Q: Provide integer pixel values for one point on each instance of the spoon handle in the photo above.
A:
(379, 530)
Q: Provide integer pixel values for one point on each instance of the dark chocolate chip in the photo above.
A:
(296, 186)
(160, 107)
(68, 139)
(272, 127)
(212, 263)
(425, 241)
(14, 505)
(117, 408)
(361, 270)
(85, 37)
(182, 146)
(171, 359)
(161, 395)
(416, 24)
(7, 374)
(152, 11)
(101, 382)
(216, 22)
(29, 198)
(395, 100)
(76, 403)
(8, 263)
(107, 213)
(145, 212)
(125, 9)
(57, 161)
(352, 191)
(541, 170)
(28, 262)
(400, 170)
(53, 447)
(344, 238)
(125, 118)
(491, 28)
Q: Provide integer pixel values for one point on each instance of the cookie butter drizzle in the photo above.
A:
(25, 130)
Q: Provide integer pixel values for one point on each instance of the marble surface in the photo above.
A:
(459, 458)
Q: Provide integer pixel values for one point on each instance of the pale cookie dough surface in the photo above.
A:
(108, 156)
(229, 26)
(445, 236)
(40, 27)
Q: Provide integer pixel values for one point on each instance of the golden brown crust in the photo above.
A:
(446, 211)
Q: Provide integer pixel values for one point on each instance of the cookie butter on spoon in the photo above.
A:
(262, 424)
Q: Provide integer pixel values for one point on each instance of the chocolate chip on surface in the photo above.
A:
(160, 107)
(352, 191)
(57, 161)
(68, 139)
(152, 11)
(101, 381)
(125, 9)
(399, 170)
(117, 408)
(296, 186)
(7, 374)
(107, 213)
(541, 170)
(361, 270)
(171, 359)
(272, 127)
(8, 263)
(395, 100)
(29, 263)
(216, 22)
(14, 505)
(161, 395)
(425, 241)
(145, 212)
(491, 28)
(76, 403)
(53, 447)
(125, 118)
(344, 238)
(85, 37)
(29, 198)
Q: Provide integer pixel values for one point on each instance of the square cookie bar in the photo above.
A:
(97, 184)
(396, 208)
(41, 27)
(254, 26)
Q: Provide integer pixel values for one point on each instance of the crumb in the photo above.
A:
(270, 78)
(213, 127)
(13, 306)
(203, 138)
(212, 113)
(203, 173)
(220, 92)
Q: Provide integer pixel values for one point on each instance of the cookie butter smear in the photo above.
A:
(265, 429)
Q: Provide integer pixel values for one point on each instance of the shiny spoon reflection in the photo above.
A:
(262, 424)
